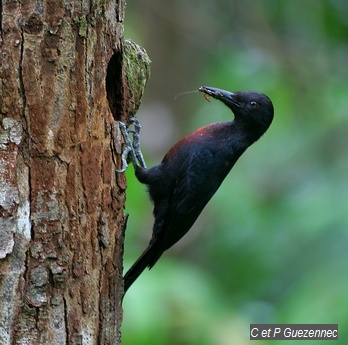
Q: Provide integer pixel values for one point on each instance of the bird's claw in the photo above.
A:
(131, 149)
(136, 142)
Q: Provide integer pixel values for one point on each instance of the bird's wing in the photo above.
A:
(194, 186)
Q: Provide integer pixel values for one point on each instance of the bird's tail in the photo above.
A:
(147, 259)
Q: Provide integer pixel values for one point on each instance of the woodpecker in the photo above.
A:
(193, 169)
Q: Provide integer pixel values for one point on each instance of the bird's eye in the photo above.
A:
(253, 104)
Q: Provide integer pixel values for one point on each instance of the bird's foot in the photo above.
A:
(132, 149)
(136, 142)
(128, 148)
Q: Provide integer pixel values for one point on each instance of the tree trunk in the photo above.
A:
(63, 84)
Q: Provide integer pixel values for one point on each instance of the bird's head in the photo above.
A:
(250, 108)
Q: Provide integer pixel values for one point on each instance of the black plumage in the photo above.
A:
(194, 168)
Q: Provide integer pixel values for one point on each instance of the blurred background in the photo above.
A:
(271, 246)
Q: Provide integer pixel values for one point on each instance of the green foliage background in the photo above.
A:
(271, 246)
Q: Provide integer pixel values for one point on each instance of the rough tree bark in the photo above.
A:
(65, 79)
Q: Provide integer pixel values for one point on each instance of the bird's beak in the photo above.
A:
(229, 98)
